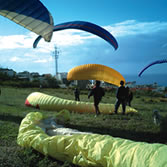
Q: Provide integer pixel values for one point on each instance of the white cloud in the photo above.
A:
(29, 55)
(79, 47)
(14, 59)
(16, 41)
(49, 59)
(41, 61)
(71, 38)
(66, 38)
(133, 27)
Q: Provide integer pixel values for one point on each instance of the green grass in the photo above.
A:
(137, 127)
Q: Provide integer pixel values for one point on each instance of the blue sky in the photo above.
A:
(140, 28)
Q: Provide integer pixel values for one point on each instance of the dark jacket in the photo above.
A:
(121, 93)
(76, 92)
(97, 93)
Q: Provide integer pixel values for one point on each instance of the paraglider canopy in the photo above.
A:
(85, 26)
(95, 72)
(31, 14)
(151, 64)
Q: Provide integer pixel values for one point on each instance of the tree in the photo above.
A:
(52, 82)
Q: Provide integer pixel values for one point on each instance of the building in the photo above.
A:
(24, 75)
(61, 76)
(8, 72)
(131, 84)
(34, 76)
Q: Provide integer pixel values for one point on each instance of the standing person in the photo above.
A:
(77, 93)
(97, 92)
(121, 98)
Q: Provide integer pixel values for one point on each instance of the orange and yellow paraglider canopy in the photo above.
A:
(95, 72)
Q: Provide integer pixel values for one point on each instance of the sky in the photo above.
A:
(140, 28)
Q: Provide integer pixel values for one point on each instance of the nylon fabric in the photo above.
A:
(32, 15)
(90, 149)
(95, 72)
(52, 103)
(85, 26)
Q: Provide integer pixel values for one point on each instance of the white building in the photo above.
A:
(61, 76)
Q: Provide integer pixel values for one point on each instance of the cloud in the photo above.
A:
(49, 59)
(69, 38)
(133, 27)
(14, 59)
(41, 61)
(16, 41)
(139, 44)
(65, 39)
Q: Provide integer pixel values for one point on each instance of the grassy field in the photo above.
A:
(137, 127)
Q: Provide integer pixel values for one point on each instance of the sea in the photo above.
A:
(160, 79)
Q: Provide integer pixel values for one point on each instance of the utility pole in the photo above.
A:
(56, 56)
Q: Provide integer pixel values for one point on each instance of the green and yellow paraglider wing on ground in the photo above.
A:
(90, 149)
(52, 103)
